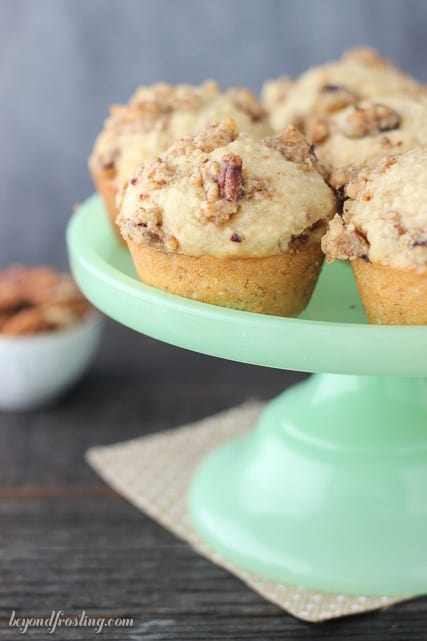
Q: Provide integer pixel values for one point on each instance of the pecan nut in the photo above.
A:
(230, 179)
(370, 120)
(335, 97)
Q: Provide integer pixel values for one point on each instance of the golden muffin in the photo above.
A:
(226, 219)
(383, 232)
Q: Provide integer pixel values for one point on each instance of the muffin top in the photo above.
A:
(224, 194)
(385, 218)
(156, 116)
(361, 73)
(365, 132)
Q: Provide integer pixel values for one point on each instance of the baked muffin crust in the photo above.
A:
(385, 220)
(221, 193)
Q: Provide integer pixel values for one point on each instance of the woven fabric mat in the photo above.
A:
(154, 473)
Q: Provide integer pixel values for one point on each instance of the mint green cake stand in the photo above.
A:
(329, 490)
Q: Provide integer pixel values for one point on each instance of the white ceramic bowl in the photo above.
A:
(34, 370)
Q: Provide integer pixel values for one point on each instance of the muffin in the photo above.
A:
(363, 133)
(361, 73)
(156, 116)
(383, 232)
(229, 220)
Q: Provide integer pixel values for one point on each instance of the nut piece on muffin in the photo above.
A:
(37, 300)
(361, 73)
(383, 232)
(363, 133)
(156, 116)
(229, 220)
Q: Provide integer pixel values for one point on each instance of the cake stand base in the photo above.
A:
(329, 491)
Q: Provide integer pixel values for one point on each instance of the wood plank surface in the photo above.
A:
(68, 542)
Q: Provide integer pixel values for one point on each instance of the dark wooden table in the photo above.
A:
(69, 543)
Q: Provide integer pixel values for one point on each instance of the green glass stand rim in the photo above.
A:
(323, 339)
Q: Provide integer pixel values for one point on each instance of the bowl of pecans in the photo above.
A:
(48, 336)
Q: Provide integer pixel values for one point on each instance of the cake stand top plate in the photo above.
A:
(332, 335)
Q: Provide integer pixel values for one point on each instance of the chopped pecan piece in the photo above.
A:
(246, 101)
(344, 241)
(209, 172)
(145, 227)
(335, 97)
(218, 134)
(349, 179)
(230, 179)
(316, 129)
(293, 146)
(158, 173)
(218, 213)
(370, 120)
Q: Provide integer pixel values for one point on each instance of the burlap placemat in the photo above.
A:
(154, 473)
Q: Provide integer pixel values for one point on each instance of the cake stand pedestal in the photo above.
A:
(329, 490)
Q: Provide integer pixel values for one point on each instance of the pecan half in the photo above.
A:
(370, 120)
(230, 179)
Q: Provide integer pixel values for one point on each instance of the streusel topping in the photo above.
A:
(385, 219)
(222, 193)
(361, 73)
(156, 116)
(366, 132)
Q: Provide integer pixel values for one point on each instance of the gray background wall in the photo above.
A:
(63, 61)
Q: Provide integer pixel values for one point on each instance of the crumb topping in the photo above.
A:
(223, 193)
(294, 147)
(385, 217)
(369, 120)
(360, 74)
(362, 134)
(156, 116)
